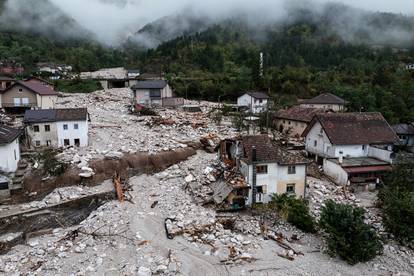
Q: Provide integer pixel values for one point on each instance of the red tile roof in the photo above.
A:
(36, 87)
(326, 98)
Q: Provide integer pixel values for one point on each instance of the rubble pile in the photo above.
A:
(320, 190)
(114, 130)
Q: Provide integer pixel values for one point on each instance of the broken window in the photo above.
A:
(261, 169)
(291, 169)
(36, 128)
(66, 142)
(47, 128)
(290, 188)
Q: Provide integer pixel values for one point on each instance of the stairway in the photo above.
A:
(17, 180)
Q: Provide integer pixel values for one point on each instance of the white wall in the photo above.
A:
(71, 133)
(46, 102)
(381, 154)
(253, 104)
(42, 136)
(334, 170)
(351, 151)
(323, 147)
(9, 156)
(333, 107)
(275, 180)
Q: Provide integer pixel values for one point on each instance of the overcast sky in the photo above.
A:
(111, 18)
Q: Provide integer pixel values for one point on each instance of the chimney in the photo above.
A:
(254, 174)
(254, 154)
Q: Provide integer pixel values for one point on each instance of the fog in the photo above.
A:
(113, 20)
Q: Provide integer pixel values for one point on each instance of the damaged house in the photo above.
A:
(263, 168)
(57, 127)
(150, 93)
(293, 121)
(354, 148)
(9, 148)
(326, 101)
(405, 133)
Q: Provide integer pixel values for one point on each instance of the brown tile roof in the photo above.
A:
(268, 151)
(355, 128)
(71, 114)
(36, 87)
(297, 113)
(405, 129)
(8, 134)
(326, 98)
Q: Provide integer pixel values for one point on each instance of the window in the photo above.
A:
(37, 143)
(36, 128)
(315, 143)
(261, 169)
(66, 142)
(291, 169)
(65, 127)
(48, 143)
(47, 128)
(76, 126)
(20, 90)
(25, 101)
(364, 147)
(290, 188)
(77, 142)
(15, 155)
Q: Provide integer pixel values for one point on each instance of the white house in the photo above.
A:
(353, 147)
(326, 101)
(9, 148)
(266, 167)
(151, 92)
(57, 127)
(254, 102)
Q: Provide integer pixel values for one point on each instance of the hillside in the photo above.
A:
(301, 59)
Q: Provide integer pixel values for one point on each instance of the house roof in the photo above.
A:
(134, 71)
(5, 78)
(354, 128)
(326, 98)
(34, 86)
(268, 151)
(37, 79)
(150, 84)
(406, 129)
(258, 95)
(55, 115)
(297, 113)
(8, 134)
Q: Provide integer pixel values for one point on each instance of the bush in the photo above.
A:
(78, 86)
(396, 200)
(51, 165)
(294, 211)
(146, 111)
(217, 117)
(348, 235)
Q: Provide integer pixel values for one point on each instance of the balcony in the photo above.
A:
(27, 105)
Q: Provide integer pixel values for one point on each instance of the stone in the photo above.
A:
(144, 271)
(189, 178)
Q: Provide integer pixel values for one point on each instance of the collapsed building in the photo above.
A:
(257, 168)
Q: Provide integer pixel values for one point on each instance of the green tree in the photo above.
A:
(348, 235)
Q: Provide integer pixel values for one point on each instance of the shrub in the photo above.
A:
(294, 211)
(51, 165)
(348, 235)
(396, 200)
(217, 117)
(145, 111)
(78, 86)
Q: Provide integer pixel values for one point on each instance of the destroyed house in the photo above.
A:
(57, 127)
(326, 101)
(293, 121)
(266, 167)
(24, 95)
(9, 148)
(254, 101)
(5, 82)
(361, 141)
(152, 93)
(405, 133)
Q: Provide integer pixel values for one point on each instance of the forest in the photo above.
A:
(301, 59)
